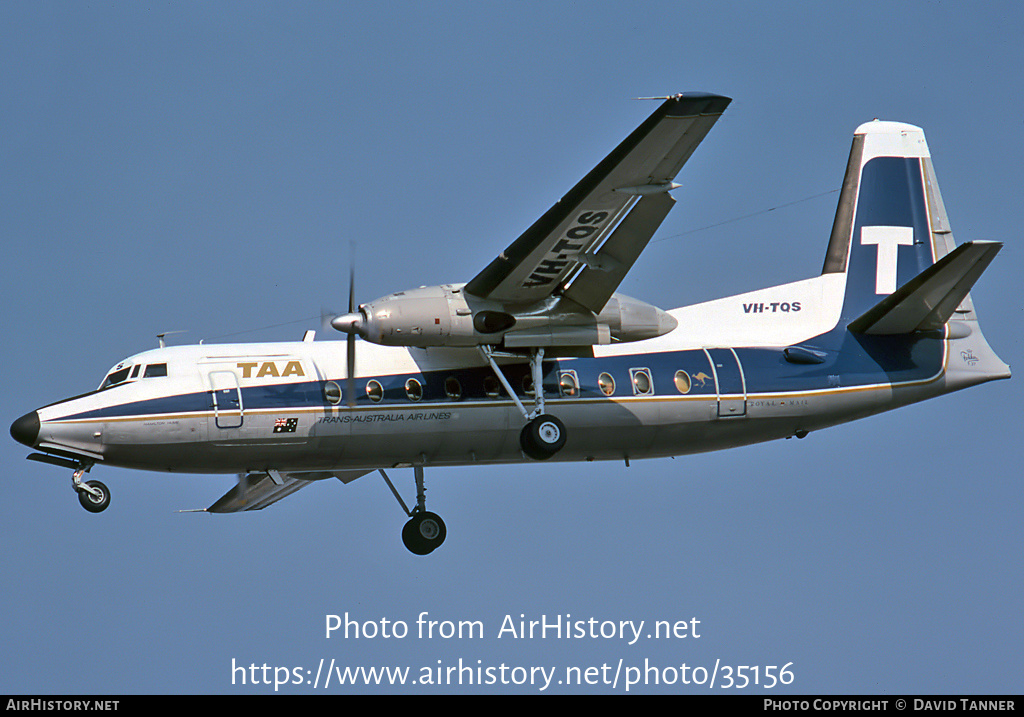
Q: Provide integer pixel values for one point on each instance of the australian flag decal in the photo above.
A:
(286, 425)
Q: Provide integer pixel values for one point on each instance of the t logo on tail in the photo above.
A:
(888, 240)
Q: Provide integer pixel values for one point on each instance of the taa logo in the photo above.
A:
(270, 368)
(888, 240)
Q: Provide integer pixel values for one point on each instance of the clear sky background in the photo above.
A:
(203, 167)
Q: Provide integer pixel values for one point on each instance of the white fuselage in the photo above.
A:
(720, 379)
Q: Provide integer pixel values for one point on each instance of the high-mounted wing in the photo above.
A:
(258, 490)
(628, 190)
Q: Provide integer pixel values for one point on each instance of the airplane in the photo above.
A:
(538, 357)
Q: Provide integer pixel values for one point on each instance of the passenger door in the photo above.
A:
(227, 399)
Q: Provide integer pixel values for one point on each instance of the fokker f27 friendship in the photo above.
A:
(537, 357)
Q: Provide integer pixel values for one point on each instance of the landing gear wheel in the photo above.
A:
(424, 533)
(94, 503)
(542, 437)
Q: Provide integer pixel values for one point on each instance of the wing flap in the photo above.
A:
(256, 491)
(606, 269)
(928, 301)
(539, 261)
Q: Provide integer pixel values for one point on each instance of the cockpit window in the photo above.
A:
(155, 369)
(116, 377)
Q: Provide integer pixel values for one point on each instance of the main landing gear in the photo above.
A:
(425, 531)
(543, 436)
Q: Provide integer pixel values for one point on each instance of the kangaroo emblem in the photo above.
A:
(701, 378)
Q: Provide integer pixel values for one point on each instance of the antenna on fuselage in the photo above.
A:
(160, 337)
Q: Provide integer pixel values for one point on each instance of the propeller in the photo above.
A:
(327, 315)
(351, 324)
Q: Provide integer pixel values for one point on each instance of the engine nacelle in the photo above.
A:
(630, 319)
(447, 316)
(428, 316)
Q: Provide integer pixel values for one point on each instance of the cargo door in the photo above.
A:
(729, 381)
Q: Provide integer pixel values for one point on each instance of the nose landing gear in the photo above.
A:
(93, 495)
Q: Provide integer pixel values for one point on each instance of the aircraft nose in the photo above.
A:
(26, 429)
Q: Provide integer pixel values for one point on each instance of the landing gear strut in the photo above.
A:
(543, 435)
(425, 531)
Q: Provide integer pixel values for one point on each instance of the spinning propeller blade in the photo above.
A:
(350, 366)
(351, 324)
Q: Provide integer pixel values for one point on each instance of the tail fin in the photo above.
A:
(891, 226)
(904, 273)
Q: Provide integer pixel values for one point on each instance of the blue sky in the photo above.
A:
(204, 167)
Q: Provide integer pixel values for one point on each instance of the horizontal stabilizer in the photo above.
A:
(927, 301)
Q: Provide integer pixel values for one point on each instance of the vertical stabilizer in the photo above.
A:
(891, 238)
(890, 225)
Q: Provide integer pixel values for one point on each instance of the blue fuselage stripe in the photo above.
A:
(850, 360)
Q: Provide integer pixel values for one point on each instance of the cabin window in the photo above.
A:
(155, 370)
(413, 389)
(332, 392)
(642, 384)
(491, 387)
(606, 383)
(452, 388)
(568, 384)
(682, 381)
(528, 385)
(375, 391)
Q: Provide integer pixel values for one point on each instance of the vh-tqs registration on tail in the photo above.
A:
(538, 357)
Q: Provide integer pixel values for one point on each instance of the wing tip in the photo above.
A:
(687, 104)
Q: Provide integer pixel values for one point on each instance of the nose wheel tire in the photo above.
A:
(424, 533)
(542, 437)
(98, 500)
